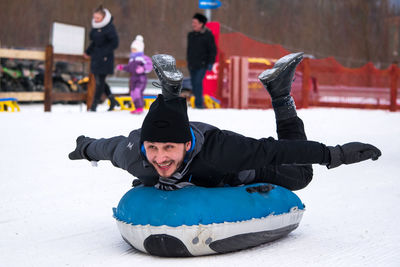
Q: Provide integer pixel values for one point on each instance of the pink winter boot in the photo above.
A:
(137, 111)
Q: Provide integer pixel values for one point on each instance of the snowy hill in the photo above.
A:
(57, 212)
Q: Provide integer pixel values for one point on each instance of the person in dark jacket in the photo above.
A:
(103, 42)
(201, 53)
(169, 152)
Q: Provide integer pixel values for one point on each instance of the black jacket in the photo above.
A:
(220, 157)
(103, 42)
(201, 49)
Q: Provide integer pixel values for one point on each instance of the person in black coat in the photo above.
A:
(169, 152)
(103, 42)
(201, 53)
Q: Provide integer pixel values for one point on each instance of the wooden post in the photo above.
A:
(234, 82)
(48, 77)
(393, 87)
(305, 83)
(91, 89)
(220, 79)
(244, 83)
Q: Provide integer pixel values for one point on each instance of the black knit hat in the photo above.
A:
(201, 18)
(166, 121)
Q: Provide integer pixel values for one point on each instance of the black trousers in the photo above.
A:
(293, 177)
(101, 87)
(196, 77)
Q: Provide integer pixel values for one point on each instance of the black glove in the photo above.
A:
(82, 143)
(351, 153)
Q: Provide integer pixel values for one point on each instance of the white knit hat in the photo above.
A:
(138, 43)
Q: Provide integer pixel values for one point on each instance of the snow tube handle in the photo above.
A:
(265, 188)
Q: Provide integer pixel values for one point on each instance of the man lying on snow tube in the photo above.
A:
(170, 153)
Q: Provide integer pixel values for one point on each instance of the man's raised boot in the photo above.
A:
(278, 82)
(170, 77)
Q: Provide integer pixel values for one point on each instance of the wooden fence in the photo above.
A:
(48, 96)
(238, 87)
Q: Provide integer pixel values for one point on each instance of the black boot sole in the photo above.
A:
(165, 67)
(280, 65)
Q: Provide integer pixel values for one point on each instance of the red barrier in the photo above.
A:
(210, 80)
(319, 82)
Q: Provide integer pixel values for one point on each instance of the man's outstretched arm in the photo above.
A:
(243, 153)
(99, 149)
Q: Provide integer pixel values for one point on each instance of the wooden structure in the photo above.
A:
(238, 86)
(48, 96)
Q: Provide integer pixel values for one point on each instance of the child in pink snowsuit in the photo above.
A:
(139, 65)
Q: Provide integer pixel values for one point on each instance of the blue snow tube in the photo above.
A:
(197, 221)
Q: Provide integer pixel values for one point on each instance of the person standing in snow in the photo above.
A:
(200, 55)
(139, 65)
(169, 152)
(103, 42)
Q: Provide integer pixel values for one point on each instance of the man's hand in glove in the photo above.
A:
(351, 153)
(82, 142)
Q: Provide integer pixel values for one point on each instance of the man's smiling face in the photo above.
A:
(166, 158)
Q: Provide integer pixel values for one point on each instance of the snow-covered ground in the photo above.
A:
(57, 212)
